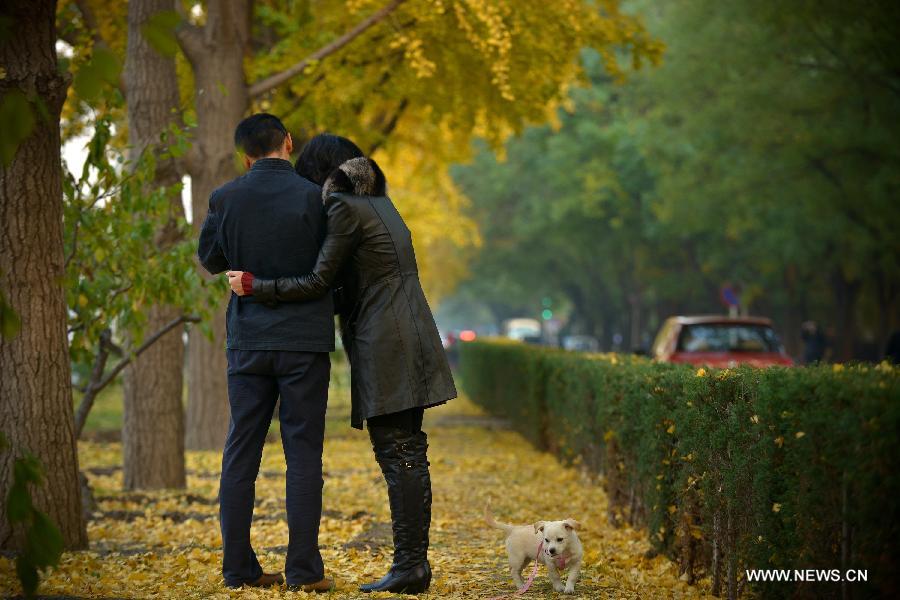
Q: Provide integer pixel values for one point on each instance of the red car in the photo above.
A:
(720, 342)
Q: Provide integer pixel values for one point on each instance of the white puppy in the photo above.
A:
(560, 549)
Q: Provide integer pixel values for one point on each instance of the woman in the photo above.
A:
(397, 362)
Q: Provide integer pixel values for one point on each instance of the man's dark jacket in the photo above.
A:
(271, 222)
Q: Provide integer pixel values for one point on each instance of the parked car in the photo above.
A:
(720, 342)
(519, 329)
(581, 343)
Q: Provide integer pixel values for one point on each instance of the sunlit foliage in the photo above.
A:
(760, 153)
(124, 246)
(417, 88)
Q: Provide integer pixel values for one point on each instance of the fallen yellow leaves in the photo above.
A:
(167, 544)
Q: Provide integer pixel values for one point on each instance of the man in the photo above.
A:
(814, 342)
(271, 222)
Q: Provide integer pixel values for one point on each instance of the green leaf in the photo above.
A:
(87, 83)
(6, 24)
(10, 324)
(43, 542)
(190, 118)
(18, 503)
(107, 65)
(28, 576)
(16, 121)
(99, 73)
(28, 469)
(159, 31)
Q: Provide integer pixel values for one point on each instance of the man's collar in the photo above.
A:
(272, 164)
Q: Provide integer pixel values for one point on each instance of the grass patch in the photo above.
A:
(106, 414)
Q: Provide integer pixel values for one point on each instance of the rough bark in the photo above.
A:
(208, 412)
(216, 53)
(35, 378)
(153, 434)
(153, 427)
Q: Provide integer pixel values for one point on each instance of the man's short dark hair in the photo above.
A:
(259, 135)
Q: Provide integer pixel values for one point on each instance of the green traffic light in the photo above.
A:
(547, 314)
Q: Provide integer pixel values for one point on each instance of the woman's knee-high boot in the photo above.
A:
(424, 472)
(401, 454)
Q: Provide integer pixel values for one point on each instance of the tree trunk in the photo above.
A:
(208, 412)
(886, 295)
(846, 293)
(582, 313)
(153, 428)
(35, 378)
(153, 423)
(607, 320)
(634, 319)
(793, 310)
(216, 53)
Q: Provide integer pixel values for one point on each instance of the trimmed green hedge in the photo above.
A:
(728, 470)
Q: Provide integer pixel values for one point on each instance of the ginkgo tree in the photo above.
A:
(773, 168)
(413, 81)
(35, 392)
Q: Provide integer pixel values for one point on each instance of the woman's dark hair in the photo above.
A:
(323, 154)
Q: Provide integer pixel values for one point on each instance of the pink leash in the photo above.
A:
(528, 582)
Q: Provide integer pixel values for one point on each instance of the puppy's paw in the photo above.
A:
(570, 589)
(559, 587)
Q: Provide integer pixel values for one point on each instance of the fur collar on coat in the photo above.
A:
(358, 176)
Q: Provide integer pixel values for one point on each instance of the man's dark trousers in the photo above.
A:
(256, 378)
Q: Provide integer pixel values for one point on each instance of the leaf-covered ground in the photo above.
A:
(167, 544)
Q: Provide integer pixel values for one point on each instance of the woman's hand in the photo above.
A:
(234, 280)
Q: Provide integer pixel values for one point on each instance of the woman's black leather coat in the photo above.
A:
(396, 357)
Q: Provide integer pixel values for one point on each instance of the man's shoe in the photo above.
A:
(267, 580)
(319, 587)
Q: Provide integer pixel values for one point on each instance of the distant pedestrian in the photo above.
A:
(892, 350)
(814, 342)
(452, 349)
